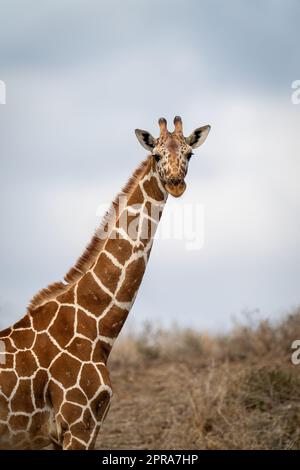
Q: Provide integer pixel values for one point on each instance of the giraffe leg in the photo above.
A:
(82, 434)
(80, 410)
(56, 445)
(77, 435)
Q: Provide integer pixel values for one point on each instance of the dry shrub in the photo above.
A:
(185, 390)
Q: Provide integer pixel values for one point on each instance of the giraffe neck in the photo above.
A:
(109, 287)
(54, 384)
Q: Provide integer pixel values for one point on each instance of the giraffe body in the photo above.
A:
(54, 381)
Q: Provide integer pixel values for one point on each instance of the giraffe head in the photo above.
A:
(172, 152)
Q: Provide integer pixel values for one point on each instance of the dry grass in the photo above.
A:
(184, 390)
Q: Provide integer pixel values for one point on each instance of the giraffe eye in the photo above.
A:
(156, 156)
(189, 155)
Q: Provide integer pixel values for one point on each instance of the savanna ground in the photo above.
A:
(186, 390)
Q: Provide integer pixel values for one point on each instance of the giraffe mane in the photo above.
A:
(91, 252)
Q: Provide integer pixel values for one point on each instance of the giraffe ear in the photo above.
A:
(145, 139)
(198, 136)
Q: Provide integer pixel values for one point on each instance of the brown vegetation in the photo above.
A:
(186, 390)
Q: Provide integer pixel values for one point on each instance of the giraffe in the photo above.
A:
(54, 379)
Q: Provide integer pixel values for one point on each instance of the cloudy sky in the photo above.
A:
(82, 75)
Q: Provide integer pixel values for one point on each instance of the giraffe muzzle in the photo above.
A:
(176, 189)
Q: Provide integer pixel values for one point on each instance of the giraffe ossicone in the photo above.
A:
(54, 380)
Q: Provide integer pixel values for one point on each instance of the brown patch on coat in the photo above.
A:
(81, 430)
(5, 333)
(26, 363)
(152, 189)
(76, 395)
(38, 384)
(71, 412)
(45, 349)
(21, 400)
(67, 297)
(120, 248)
(77, 445)
(18, 441)
(111, 324)
(18, 422)
(56, 395)
(89, 381)
(81, 348)
(4, 410)
(62, 330)
(23, 339)
(104, 374)
(88, 418)
(39, 423)
(23, 323)
(107, 272)
(8, 380)
(42, 316)
(133, 277)
(90, 296)
(86, 325)
(101, 351)
(3, 429)
(65, 370)
(136, 197)
(100, 405)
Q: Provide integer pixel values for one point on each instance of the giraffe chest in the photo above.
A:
(46, 386)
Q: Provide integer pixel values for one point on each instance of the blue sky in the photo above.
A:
(82, 75)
